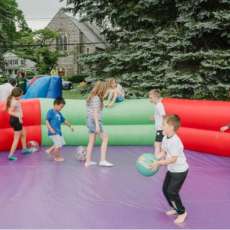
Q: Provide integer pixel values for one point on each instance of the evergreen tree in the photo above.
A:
(179, 46)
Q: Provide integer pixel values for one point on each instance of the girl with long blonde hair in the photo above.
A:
(95, 105)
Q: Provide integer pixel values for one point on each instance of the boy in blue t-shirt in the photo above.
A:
(54, 120)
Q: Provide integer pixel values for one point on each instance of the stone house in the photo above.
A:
(75, 38)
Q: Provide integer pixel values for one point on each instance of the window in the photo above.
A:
(62, 42)
(65, 42)
(81, 42)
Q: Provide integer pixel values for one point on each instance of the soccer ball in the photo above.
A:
(33, 146)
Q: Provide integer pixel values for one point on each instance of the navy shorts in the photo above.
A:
(15, 123)
(92, 126)
(159, 136)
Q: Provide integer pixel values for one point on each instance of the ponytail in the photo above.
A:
(8, 102)
(16, 92)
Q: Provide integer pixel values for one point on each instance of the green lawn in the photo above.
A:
(73, 93)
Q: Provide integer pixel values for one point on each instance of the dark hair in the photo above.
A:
(16, 92)
(12, 81)
(59, 101)
(173, 120)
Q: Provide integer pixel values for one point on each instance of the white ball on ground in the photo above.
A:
(33, 146)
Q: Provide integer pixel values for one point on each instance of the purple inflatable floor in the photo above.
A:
(38, 193)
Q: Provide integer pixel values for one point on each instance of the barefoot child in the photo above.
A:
(159, 113)
(172, 156)
(115, 92)
(14, 109)
(54, 121)
(94, 123)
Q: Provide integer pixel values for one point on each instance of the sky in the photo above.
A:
(38, 13)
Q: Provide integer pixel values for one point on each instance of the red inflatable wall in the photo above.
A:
(200, 114)
(31, 122)
(201, 121)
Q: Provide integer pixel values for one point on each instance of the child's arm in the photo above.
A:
(112, 98)
(162, 110)
(159, 163)
(49, 127)
(161, 155)
(107, 94)
(169, 161)
(69, 125)
(120, 90)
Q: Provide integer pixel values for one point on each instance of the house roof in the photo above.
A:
(90, 30)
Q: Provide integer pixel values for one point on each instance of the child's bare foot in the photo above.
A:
(59, 159)
(171, 212)
(180, 218)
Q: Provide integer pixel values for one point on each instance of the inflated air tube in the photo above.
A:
(200, 114)
(31, 120)
(128, 123)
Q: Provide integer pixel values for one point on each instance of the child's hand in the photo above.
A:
(52, 131)
(154, 166)
(224, 128)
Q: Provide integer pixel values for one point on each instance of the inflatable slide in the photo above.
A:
(44, 87)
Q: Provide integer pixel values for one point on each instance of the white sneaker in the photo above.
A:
(171, 212)
(91, 163)
(180, 218)
(105, 164)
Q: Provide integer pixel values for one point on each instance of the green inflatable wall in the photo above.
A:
(127, 123)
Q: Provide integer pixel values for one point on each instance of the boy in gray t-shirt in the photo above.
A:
(172, 156)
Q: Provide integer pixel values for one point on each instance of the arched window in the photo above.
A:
(62, 42)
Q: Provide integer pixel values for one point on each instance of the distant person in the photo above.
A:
(6, 89)
(115, 93)
(22, 81)
(159, 114)
(61, 74)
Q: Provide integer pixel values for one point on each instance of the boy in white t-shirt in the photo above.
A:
(172, 156)
(159, 113)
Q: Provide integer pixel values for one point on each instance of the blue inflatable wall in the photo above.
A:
(45, 87)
